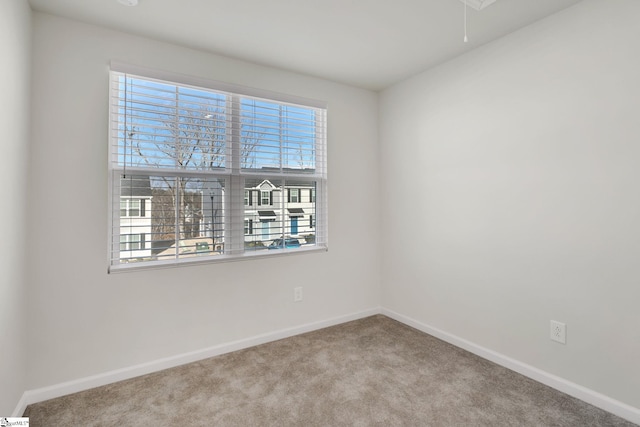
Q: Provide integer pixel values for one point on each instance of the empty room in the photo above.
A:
(337, 212)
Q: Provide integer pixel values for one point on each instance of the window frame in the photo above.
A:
(128, 203)
(233, 175)
(265, 195)
(294, 192)
(128, 240)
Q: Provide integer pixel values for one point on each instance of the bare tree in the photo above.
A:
(194, 142)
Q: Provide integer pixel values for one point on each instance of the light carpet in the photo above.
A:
(370, 372)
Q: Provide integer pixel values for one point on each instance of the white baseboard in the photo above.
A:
(594, 398)
(22, 405)
(81, 384)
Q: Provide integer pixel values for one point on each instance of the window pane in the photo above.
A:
(198, 229)
(161, 125)
(276, 136)
(283, 224)
(134, 207)
(134, 242)
(184, 217)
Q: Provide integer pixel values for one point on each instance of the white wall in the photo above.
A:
(512, 178)
(15, 48)
(87, 322)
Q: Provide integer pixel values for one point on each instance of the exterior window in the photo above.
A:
(132, 207)
(132, 242)
(311, 223)
(294, 195)
(248, 226)
(195, 167)
(312, 195)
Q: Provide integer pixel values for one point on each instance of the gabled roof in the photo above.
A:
(266, 185)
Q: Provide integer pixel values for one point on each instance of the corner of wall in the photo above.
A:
(15, 45)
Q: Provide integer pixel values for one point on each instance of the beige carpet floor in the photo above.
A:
(370, 372)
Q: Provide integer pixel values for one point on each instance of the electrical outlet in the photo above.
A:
(297, 294)
(558, 332)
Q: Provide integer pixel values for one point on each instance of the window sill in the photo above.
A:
(247, 255)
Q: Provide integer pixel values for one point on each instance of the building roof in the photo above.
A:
(135, 186)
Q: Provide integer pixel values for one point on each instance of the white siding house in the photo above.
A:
(274, 212)
(135, 217)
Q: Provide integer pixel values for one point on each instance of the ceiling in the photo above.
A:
(367, 43)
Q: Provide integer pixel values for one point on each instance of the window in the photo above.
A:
(132, 242)
(197, 164)
(265, 197)
(132, 207)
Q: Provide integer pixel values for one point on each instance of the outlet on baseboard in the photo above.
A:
(558, 332)
(297, 294)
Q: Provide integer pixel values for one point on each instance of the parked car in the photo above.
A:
(202, 248)
(284, 243)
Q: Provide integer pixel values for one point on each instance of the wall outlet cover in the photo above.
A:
(558, 332)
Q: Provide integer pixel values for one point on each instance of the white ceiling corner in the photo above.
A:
(478, 4)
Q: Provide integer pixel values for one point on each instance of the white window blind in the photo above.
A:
(192, 165)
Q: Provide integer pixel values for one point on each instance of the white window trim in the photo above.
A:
(263, 198)
(128, 202)
(233, 177)
(295, 191)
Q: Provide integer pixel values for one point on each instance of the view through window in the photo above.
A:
(199, 173)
